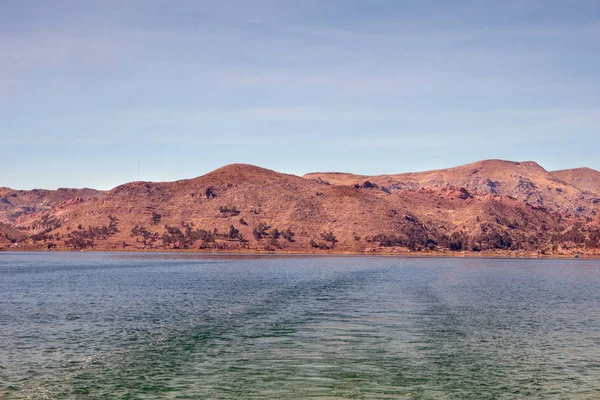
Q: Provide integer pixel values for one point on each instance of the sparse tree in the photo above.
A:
(210, 193)
(233, 232)
(288, 235)
(329, 237)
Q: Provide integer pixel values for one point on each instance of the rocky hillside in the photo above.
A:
(14, 203)
(490, 206)
(526, 181)
(9, 235)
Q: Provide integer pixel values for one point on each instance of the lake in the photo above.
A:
(187, 326)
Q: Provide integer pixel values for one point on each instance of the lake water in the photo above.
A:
(182, 326)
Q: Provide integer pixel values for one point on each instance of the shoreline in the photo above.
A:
(250, 252)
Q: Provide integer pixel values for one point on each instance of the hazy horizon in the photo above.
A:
(89, 90)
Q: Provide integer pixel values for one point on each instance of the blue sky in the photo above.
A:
(88, 89)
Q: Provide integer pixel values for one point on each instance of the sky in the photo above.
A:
(90, 89)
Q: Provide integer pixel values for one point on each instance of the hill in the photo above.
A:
(526, 181)
(586, 179)
(490, 206)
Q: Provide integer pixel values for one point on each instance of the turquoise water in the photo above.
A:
(164, 326)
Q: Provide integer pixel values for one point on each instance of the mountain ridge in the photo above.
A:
(527, 181)
(490, 205)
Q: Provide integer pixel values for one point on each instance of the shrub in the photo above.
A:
(233, 232)
(288, 235)
(329, 237)
(229, 211)
(210, 193)
(260, 231)
(112, 224)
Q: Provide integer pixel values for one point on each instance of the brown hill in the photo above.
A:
(246, 207)
(585, 179)
(221, 198)
(526, 181)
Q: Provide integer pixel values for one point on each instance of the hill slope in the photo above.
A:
(586, 179)
(9, 235)
(14, 203)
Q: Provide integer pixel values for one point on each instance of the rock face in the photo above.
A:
(486, 206)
